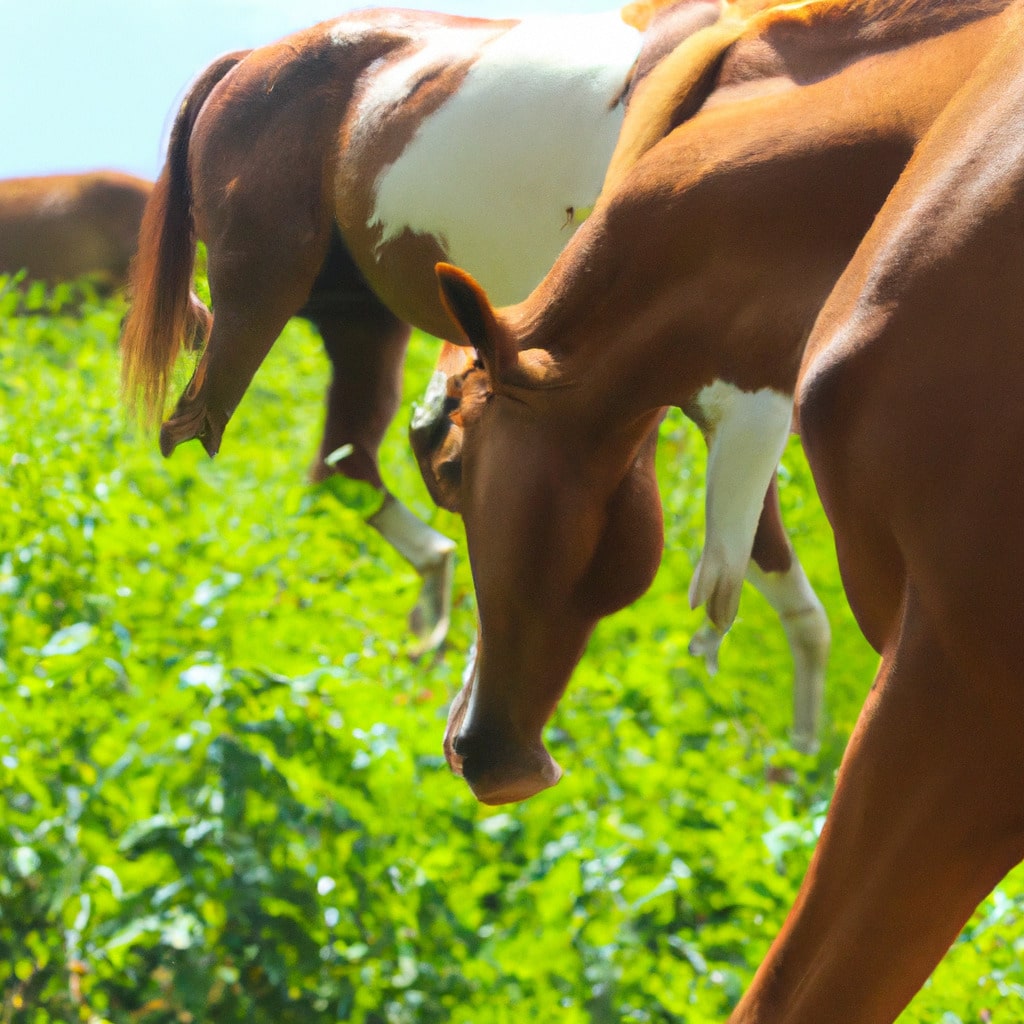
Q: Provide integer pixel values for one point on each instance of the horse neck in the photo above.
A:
(714, 255)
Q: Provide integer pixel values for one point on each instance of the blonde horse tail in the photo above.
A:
(164, 312)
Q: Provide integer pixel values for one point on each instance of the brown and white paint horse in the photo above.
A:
(328, 173)
(697, 282)
(59, 227)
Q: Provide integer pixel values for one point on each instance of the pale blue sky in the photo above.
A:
(93, 83)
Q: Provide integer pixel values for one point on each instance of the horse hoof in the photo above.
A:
(705, 644)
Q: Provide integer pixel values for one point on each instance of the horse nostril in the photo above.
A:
(475, 753)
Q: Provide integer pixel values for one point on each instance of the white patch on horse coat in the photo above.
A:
(496, 170)
(746, 433)
(349, 30)
(433, 402)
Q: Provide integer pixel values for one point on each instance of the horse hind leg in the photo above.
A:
(366, 345)
(776, 573)
(254, 295)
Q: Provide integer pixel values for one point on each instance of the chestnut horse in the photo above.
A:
(380, 115)
(63, 226)
(697, 282)
(328, 173)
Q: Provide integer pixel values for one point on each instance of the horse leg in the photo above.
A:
(807, 631)
(925, 821)
(776, 573)
(745, 433)
(366, 347)
(255, 291)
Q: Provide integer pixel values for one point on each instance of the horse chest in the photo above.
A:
(500, 170)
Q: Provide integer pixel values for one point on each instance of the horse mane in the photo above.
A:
(879, 20)
(640, 13)
(675, 90)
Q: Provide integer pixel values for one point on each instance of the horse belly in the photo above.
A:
(501, 172)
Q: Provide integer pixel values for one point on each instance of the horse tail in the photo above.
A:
(164, 311)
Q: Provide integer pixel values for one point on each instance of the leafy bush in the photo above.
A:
(223, 793)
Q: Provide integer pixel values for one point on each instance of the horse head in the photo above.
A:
(564, 526)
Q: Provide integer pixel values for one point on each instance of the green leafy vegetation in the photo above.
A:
(223, 795)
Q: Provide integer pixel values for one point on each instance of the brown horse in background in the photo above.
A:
(697, 282)
(60, 227)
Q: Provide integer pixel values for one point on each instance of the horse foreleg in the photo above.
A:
(366, 345)
(746, 433)
(925, 820)
(806, 627)
(779, 577)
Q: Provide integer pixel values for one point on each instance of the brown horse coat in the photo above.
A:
(63, 226)
(328, 173)
(742, 222)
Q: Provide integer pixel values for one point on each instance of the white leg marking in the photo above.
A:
(418, 543)
(498, 168)
(806, 625)
(746, 433)
(432, 555)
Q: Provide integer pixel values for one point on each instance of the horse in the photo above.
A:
(327, 174)
(910, 383)
(385, 182)
(710, 276)
(60, 227)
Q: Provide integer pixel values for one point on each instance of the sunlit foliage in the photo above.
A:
(223, 798)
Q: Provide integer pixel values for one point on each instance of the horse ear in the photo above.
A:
(468, 306)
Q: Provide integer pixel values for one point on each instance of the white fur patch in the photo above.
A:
(498, 170)
(433, 402)
(349, 30)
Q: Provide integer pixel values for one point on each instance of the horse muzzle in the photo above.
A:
(502, 773)
(499, 767)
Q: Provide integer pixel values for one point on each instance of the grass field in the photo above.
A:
(223, 791)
